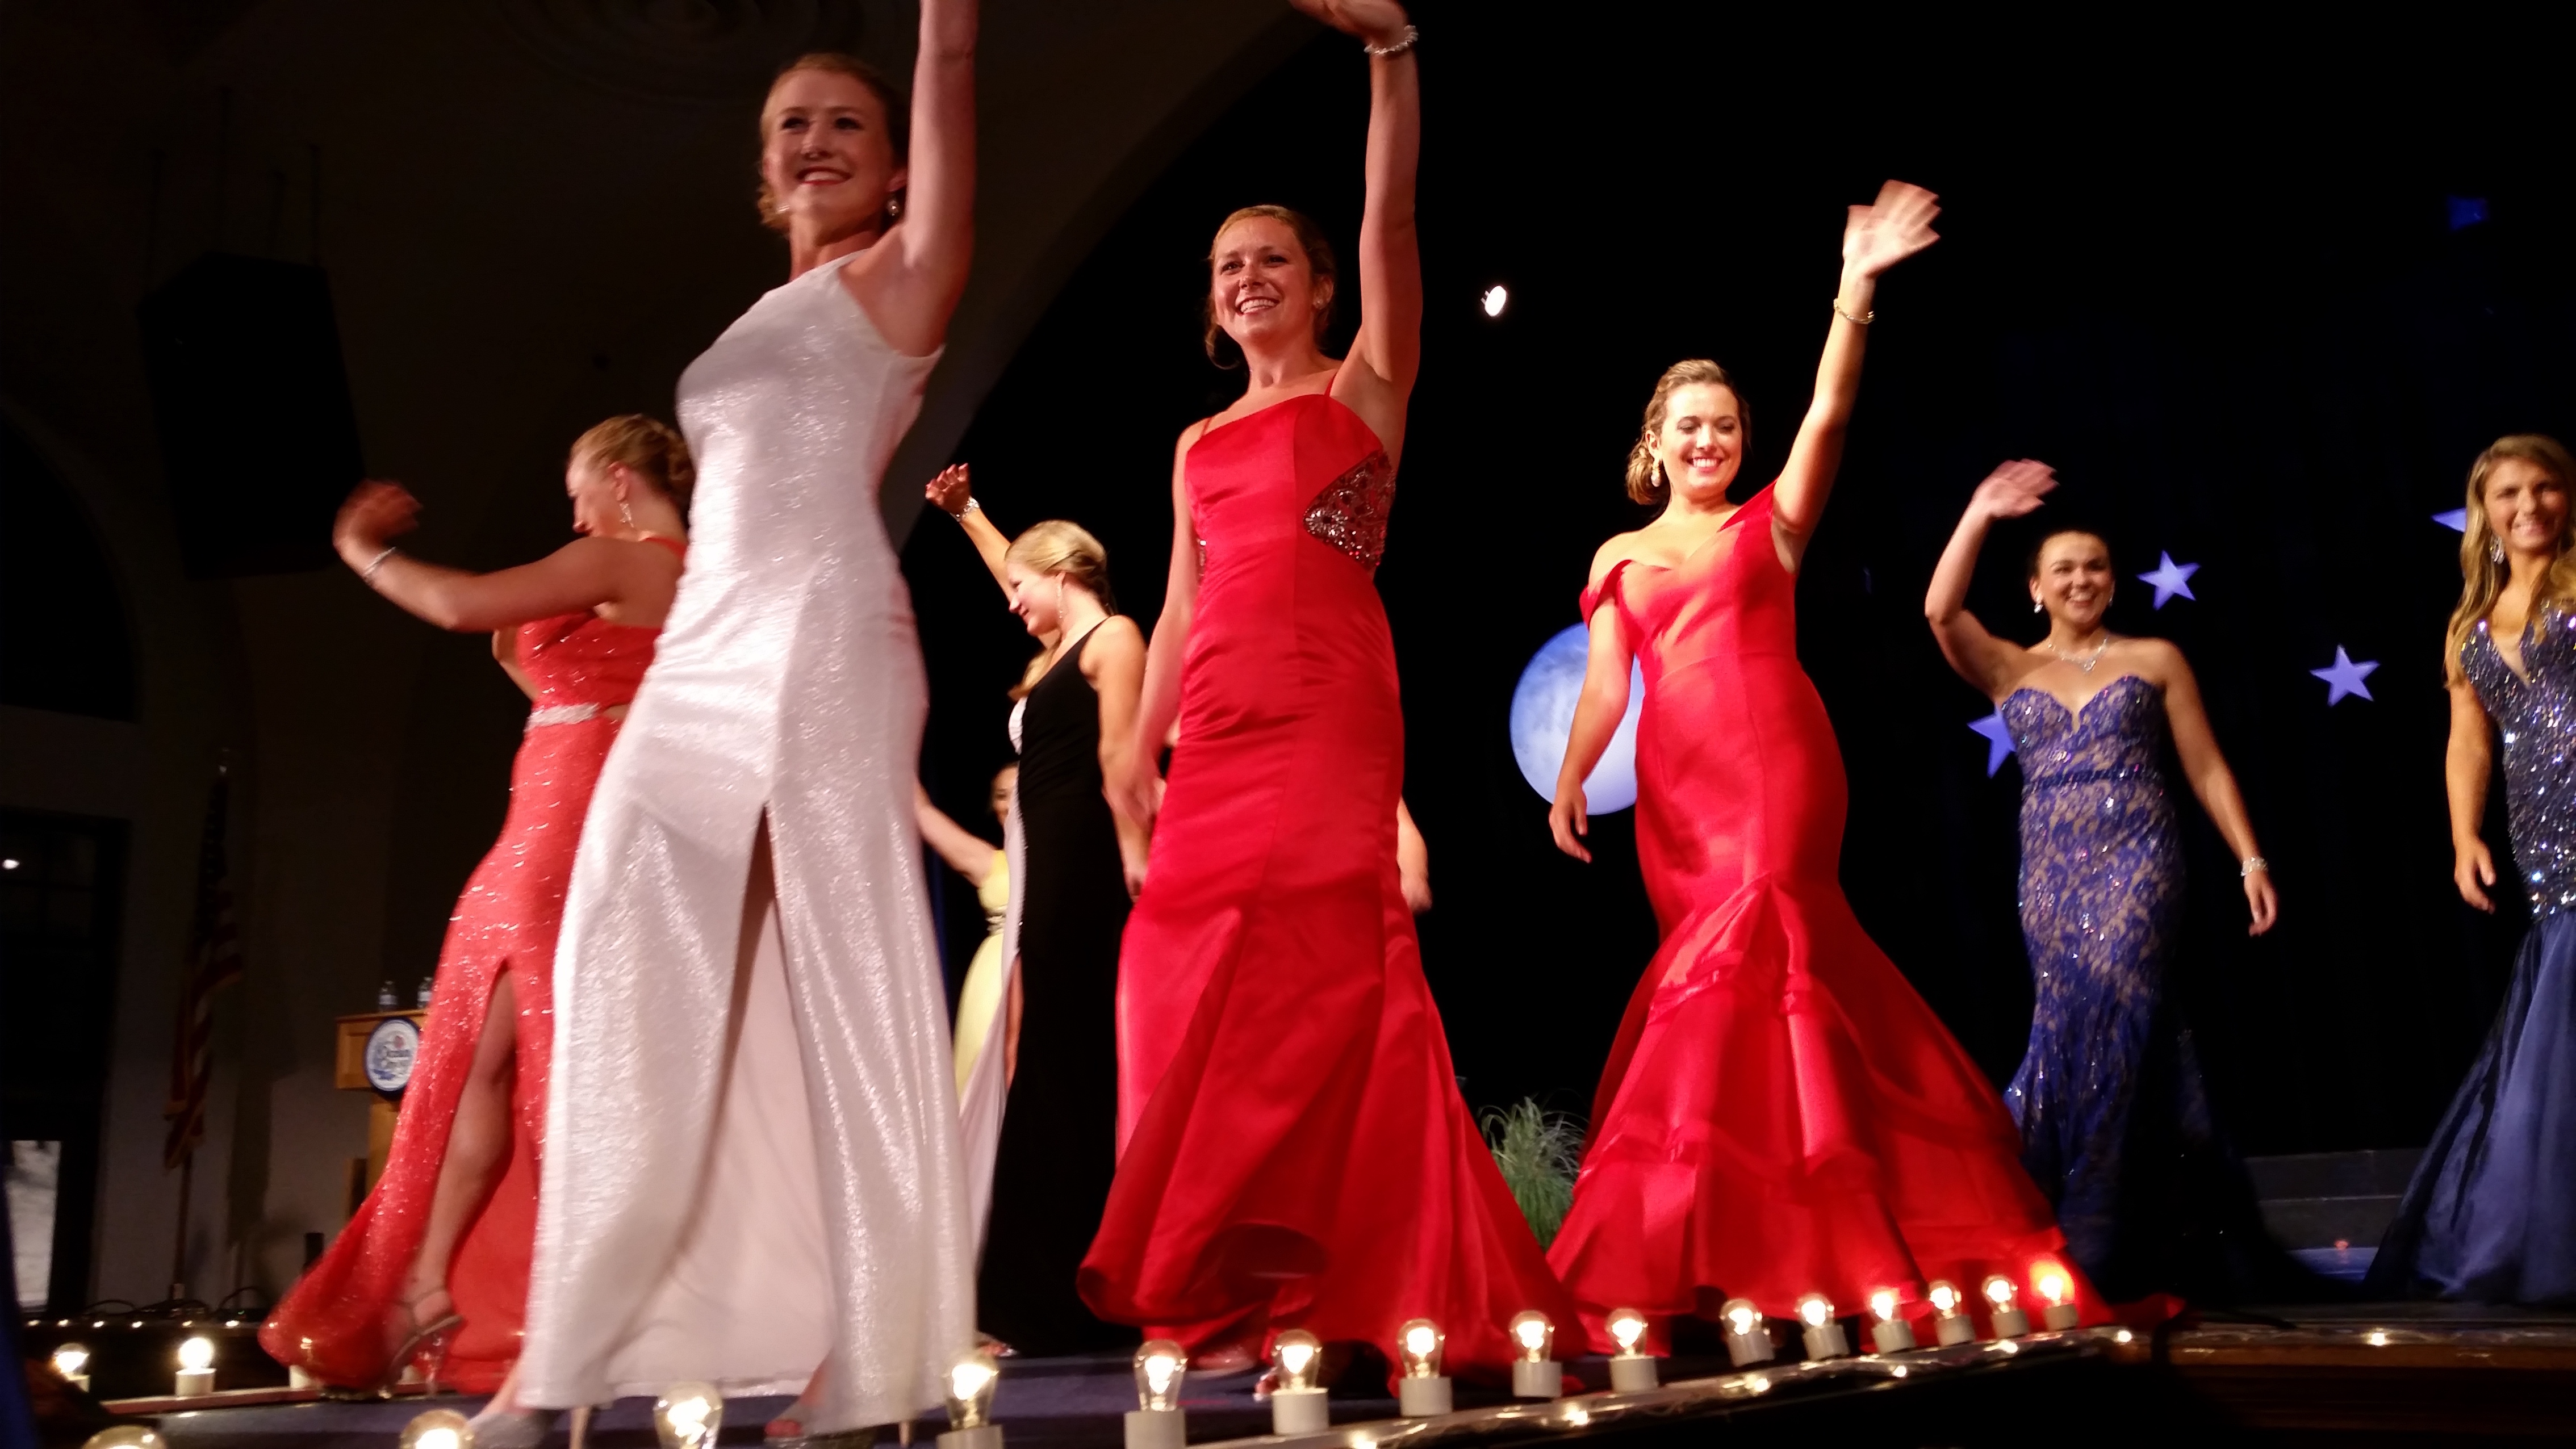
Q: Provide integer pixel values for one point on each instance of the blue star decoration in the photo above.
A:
(2345, 677)
(2457, 520)
(2170, 578)
(1999, 740)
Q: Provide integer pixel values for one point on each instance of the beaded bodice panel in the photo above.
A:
(1350, 514)
(2535, 713)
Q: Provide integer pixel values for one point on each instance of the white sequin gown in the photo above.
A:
(744, 1182)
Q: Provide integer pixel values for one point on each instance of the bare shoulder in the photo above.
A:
(2160, 660)
(1190, 436)
(1614, 551)
(1116, 635)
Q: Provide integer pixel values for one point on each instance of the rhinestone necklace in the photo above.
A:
(2085, 664)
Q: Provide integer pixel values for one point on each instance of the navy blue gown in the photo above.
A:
(2115, 1121)
(2491, 1214)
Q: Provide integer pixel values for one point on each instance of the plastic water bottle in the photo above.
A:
(424, 991)
(386, 1000)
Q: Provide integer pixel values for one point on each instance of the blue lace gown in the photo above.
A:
(2114, 1120)
(2491, 1214)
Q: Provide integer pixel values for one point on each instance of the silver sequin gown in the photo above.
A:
(742, 1183)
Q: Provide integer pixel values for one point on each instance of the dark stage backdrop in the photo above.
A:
(2219, 281)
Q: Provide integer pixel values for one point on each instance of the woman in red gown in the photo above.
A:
(435, 1263)
(1781, 1113)
(1294, 1152)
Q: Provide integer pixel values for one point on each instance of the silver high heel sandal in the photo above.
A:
(500, 1428)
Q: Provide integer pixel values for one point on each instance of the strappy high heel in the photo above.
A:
(435, 1337)
(500, 1428)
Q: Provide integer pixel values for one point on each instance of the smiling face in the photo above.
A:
(1700, 441)
(1262, 288)
(2526, 505)
(2073, 579)
(1037, 598)
(597, 493)
(827, 154)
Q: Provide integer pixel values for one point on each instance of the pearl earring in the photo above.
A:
(894, 206)
(2037, 607)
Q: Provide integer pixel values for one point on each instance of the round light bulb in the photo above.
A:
(1944, 1297)
(689, 1416)
(1815, 1310)
(1417, 1346)
(123, 1436)
(70, 1359)
(2052, 1283)
(1627, 1328)
(1533, 1336)
(197, 1355)
(971, 1381)
(439, 1429)
(1496, 298)
(1883, 1303)
(1299, 1357)
(1742, 1318)
(1160, 1365)
(2000, 1291)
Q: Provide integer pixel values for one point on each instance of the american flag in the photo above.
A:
(214, 962)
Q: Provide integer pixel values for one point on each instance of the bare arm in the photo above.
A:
(1136, 790)
(910, 281)
(951, 493)
(967, 853)
(2466, 767)
(2215, 785)
(627, 582)
(1412, 860)
(1114, 662)
(1388, 349)
(1876, 237)
(505, 652)
(1984, 661)
(1597, 713)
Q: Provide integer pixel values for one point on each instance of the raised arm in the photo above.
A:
(588, 573)
(1980, 658)
(1875, 238)
(1389, 344)
(1597, 713)
(950, 493)
(967, 853)
(2202, 764)
(1136, 790)
(2466, 767)
(910, 281)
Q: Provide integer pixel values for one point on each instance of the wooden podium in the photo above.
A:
(349, 1074)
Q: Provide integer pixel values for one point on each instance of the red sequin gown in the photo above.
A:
(1294, 1152)
(1781, 1113)
(345, 1316)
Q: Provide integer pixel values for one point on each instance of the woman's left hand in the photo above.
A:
(1379, 22)
(377, 512)
(1890, 229)
(949, 492)
(2262, 900)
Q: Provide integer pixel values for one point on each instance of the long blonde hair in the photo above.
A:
(1058, 547)
(2483, 575)
(1646, 480)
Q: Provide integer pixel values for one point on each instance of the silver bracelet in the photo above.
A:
(1400, 47)
(368, 574)
(2252, 864)
(971, 507)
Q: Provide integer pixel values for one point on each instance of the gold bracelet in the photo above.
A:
(1863, 320)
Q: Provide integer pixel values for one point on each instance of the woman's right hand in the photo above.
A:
(376, 511)
(948, 492)
(1137, 791)
(2015, 489)
(1567, 821)
(2473, 866)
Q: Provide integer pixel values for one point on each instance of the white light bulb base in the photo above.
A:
(2061, 1316)
(1633, 1373)
(1891, 1335)
(195, 1383)
(1300, 1411)
(1952, 1328)
(1420, 1398)
(1157, 1429)
(1826, 1340)
(2010, 1321)
(1542, 1380)
(1747, 1349)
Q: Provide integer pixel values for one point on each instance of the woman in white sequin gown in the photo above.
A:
(752, 1162)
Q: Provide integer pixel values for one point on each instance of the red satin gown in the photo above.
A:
(1294, 1152)
(343, 1319)
(1781, 1113)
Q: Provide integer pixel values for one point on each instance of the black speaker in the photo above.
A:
(257, 433)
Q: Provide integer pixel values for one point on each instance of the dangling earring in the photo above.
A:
(625, 513)
(2037, 607)
(2495, 549)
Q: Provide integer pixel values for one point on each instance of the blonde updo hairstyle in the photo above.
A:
(1320, 266)
(1057, 547)
(2483, 576)
(646, 447)
(1646, 480)
(898, 116)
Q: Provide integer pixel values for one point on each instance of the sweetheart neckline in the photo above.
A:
(2076, 712)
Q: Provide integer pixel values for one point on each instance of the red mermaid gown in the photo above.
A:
(338, 1322)
(1781, 1113)
(1293, 1149)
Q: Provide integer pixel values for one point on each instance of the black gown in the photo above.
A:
(1059, 1144)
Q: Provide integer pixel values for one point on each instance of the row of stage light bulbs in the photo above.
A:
(690, 1415)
